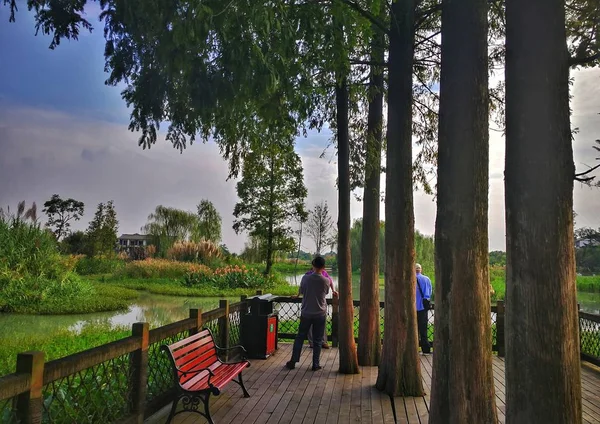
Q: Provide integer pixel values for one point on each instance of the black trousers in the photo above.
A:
(422, 317)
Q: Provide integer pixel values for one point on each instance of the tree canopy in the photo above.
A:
(61, 213)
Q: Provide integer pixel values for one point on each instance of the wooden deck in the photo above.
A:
(282, 396)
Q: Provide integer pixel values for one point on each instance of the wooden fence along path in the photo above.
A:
(129, 380)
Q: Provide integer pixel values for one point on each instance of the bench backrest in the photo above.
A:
(193, 353)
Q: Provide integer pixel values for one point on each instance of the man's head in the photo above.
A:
(318, 263)
(418, 268)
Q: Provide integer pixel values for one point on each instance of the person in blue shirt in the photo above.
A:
(423, 298)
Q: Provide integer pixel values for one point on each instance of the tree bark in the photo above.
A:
(369, 334)
(347, 346)
(400, 368)
(463, 382)
(270, 235)
(543, 382)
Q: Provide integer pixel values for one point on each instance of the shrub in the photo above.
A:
(157, 268)
(189, 251)
(98, 265)
(229, 277)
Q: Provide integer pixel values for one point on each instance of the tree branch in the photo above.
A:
(574, 61)
(366, 14)
(368, 62)
(578, 176)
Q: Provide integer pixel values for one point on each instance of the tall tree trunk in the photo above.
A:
(400, 368)
(270, 234)
(463, 382)
(369, 334)
(347, 346)
(543, 382)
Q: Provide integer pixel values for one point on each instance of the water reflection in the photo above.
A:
(157, 310)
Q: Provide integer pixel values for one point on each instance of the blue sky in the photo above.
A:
(69, 79)
(62, 130)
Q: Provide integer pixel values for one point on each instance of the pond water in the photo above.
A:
(588, 302)
(160, 310)
(157, 310)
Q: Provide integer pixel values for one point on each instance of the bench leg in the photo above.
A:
(241, 383)
(191, 403)
(173, 409)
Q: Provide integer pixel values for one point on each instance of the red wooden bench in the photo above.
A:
(199, 372)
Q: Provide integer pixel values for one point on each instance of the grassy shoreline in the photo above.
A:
(173, 287)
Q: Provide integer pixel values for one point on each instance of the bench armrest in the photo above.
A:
(225, 349)
(197, 370)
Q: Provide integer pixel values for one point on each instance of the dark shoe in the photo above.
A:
(290, 365)
(325, 346)
(310, 345)
(316, 367)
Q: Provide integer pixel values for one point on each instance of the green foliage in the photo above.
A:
(587, 258)
(229, 277)
(424, 249)
(157, 268)
(588, 283)
(56, 345)
(75, 243)
(60, 214)
(209, 222)
(169, 225)
(271, 194)
(98, 265)
(497, 258)
(35, 278)
(102, 231)
(176, 287)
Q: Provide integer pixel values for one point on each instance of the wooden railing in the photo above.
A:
(130, 379)
(289, 316)
(123, 381)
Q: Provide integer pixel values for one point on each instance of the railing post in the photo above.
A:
(30, 403)
(500, 327)
(335, 316)
(139, 365)
(197, 315)
(224, 325)
(243, 312)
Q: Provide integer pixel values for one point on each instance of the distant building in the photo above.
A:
(128, 241)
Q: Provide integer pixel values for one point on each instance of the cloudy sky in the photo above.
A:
(63, 131)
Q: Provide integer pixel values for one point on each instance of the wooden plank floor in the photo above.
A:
(300, 396)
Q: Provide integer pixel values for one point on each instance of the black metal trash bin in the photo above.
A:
(259, 327)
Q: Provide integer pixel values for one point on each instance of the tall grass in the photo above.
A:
(98, 264)
(57, 344)
(158, 268)
(189, 251)
(35, 278)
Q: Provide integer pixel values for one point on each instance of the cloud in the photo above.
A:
(46, 152)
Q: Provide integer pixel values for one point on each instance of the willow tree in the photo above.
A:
(542, 385)
(166, 225)
(462, 389)
(400, 368)
(209, 222)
